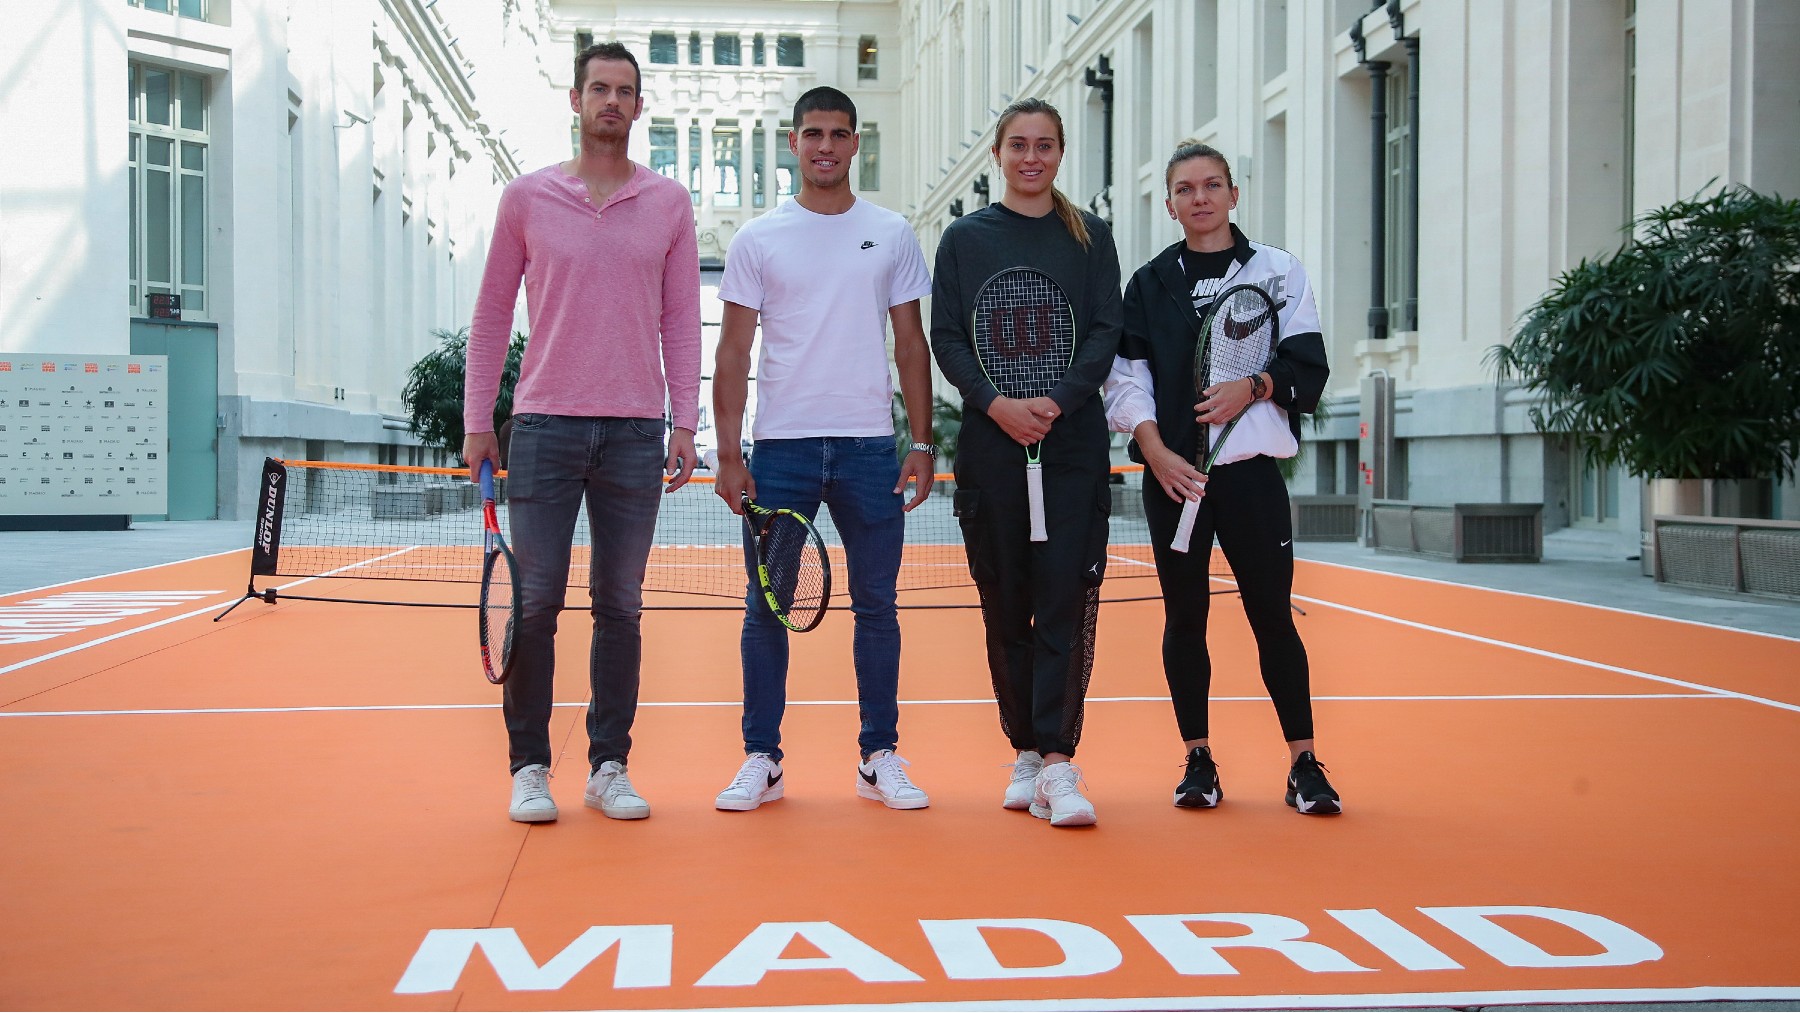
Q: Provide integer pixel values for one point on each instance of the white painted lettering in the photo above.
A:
(1395, 940)
(761, 950)
(62, 624)
(966, 955)
(1619, 946)
(1188, 953)
(645, 958)
(26, 638)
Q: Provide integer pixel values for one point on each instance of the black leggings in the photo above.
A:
(1039, 600)
(1246, 507)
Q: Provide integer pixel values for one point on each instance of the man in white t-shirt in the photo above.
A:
(825, 272)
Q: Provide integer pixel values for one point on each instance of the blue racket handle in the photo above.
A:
(487, 479)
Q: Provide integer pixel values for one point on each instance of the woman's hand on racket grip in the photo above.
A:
(733, 482)
(1018, 420)
(479, 447)
(1177, 475)
(679, 465)
(1223, 402)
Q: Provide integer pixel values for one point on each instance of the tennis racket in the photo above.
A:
(499, 583)
(792, 567)
(1237, 340)
(1024, 337)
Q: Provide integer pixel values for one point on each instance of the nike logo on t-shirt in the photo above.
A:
(867, 243)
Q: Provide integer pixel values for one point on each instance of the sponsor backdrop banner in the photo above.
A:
(84, 434)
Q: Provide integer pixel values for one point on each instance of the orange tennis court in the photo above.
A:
(303, 806)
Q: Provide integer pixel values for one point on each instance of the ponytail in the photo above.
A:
(1071, 216)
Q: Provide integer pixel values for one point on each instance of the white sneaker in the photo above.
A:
(882, 777)
(609, 790)
(1024, 780)
(531, 801)
(1058, 797)
(757, 781)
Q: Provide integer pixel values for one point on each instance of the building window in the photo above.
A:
(787, 166)
(867, 63)
(662, 148)
(582, 41)
(758, 152)
(662, 47)
(166, 170)
(728, 49)
(757, 55)
(790, 51)
(694, 48)
(183, 8)
(869, 158)
(1399, 206)
(728, 148)
(694, 162)
(1274, 39)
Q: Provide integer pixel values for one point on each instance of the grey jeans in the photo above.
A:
(554, 463)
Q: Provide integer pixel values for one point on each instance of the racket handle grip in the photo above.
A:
(1034, 495)
(1184, 529)
(487, 479)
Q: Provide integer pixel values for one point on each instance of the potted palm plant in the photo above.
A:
(433, 394)
(1678, 354)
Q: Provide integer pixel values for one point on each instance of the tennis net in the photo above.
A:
(422, 526)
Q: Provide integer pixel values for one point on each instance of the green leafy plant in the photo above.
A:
(946, 426)
(433, 394)
(1678, 355)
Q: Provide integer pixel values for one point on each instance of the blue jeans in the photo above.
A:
(854, 476)
(554, 462)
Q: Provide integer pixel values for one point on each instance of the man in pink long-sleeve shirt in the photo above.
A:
(607, 253)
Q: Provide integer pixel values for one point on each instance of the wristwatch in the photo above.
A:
(1257, 387)
(928, 448)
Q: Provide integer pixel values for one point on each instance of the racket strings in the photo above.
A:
(1024, 334)
(796, 566)
(1240, 337)
(497, 613)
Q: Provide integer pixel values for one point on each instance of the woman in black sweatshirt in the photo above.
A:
(1150, 394)
(1039, 600)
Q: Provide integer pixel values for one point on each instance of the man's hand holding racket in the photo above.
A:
(733, 483)
(479, 447)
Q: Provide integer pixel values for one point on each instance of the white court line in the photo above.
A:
(1342, 1001)
(120, 573)
(1539, 652)
(1560, 601)
(351, 708)
(28, 662)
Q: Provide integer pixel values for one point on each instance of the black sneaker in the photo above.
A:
(1199, 787)
(1308, 791)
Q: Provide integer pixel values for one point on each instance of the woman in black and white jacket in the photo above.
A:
(1150, 394)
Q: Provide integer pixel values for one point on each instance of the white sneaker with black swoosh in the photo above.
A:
(882, 777)
(757, 781)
